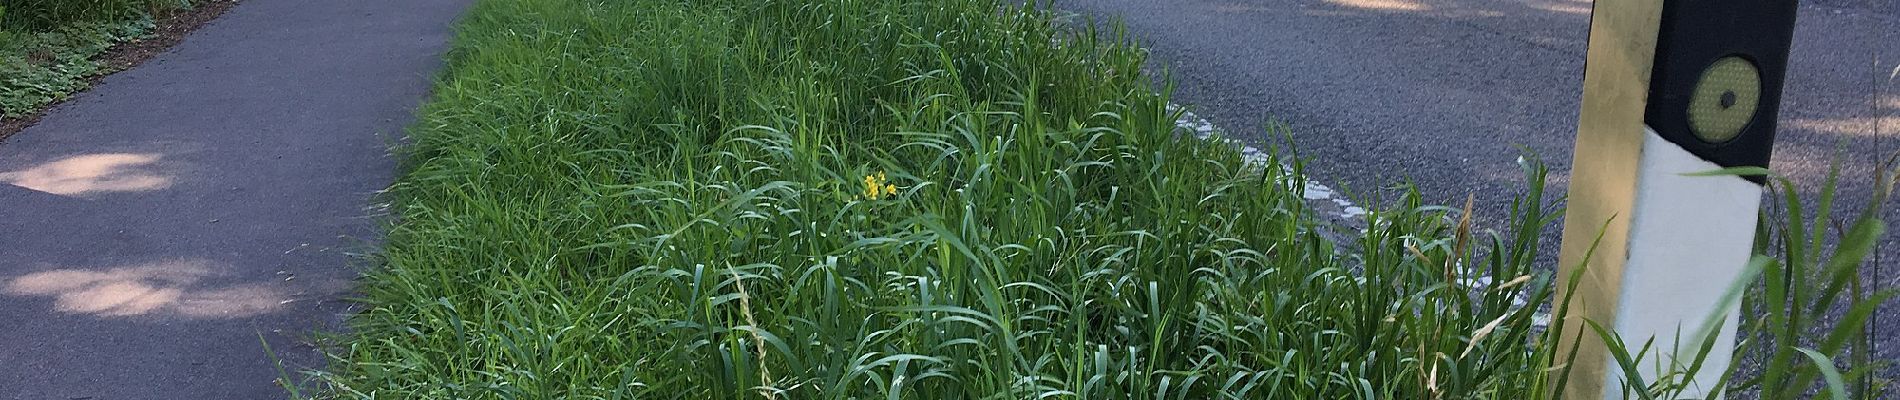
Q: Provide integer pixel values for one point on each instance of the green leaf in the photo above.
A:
(1836, 387)
(1848, 257)
(1632, 373)
(1733, 171)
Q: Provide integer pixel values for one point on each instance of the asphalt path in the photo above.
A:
(158, 229)
(1447, 94)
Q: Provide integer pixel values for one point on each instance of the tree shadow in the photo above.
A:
(180, 288)
(93, 173)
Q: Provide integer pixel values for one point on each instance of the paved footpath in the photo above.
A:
(154, 229)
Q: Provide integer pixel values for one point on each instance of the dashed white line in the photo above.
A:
(1324, 198)
(1317, 194)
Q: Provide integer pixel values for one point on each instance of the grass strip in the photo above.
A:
(939, 199)
(884, 198)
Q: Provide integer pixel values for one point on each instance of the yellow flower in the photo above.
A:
(876, 186)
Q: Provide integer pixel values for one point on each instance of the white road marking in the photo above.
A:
(1316, 193)
(1326, 200)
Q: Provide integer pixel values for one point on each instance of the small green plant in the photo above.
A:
(48, 48)
(42, 67)
(47, 15)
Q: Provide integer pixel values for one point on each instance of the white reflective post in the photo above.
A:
(1670, 88)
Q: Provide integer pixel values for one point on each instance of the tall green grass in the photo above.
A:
(893, 199)
(662, 199)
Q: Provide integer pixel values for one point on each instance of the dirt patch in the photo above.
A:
(170, 29)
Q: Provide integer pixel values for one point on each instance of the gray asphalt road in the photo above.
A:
(1445, 93)
(155, 230)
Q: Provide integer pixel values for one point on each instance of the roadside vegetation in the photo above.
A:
(49, 48)
(895, 199)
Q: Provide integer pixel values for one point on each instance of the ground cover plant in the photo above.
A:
(45, 15)
(891, 199)
(48, 48)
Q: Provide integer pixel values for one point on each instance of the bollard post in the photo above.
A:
(1670, 87)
